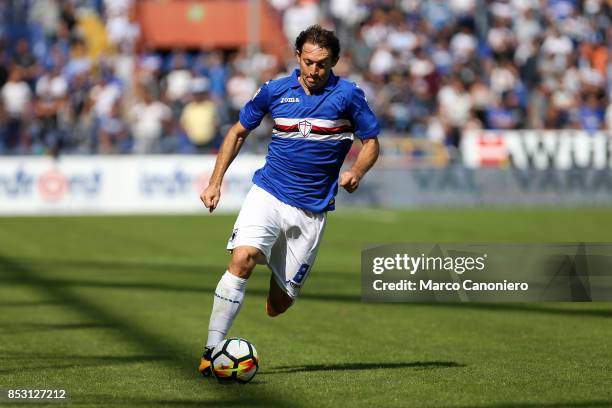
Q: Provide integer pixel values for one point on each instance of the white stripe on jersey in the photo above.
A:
(314, 122)
(313, 136)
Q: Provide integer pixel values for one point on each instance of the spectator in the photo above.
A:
(383, 61)
(79, 115)
(504, 114)
(556, 43)
(482, 97)
(114, 133)
(199, 118)
(178, 79)
(430, 68)
(240, 89)
(217, 73)
(24, 58)
(105, 95)
(437, 13)
(299, 16)
(527, 26)
(122, 30)
(149, 119)
(463, 45)
(591, 113)
(455, 106)
(504, 77)
(79, 63)
(500, 38)
(51, 93)
(17, 103)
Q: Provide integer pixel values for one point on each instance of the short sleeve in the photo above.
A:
(364, 120)
(253, 112)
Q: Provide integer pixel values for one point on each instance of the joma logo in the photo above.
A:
(290, 100)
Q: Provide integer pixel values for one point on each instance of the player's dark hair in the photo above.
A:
(319, 36)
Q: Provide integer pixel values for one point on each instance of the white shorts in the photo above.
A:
(287, 236)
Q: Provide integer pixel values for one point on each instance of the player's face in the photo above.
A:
(315, 65)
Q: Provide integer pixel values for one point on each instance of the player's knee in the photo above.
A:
(242, 263)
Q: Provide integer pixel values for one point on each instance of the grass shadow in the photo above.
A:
(424, 365)
(578, 404)
(29, 303)
(182, 365)
(108, 400)
(347, 298)
(14, 328)
(149, 266)
(537, 308)
(167, 287)
(527, 308)
(69, 362)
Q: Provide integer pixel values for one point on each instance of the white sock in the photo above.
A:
(229, 295)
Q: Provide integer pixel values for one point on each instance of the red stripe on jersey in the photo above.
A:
(284, 128)
(316, 129)
(332, 130)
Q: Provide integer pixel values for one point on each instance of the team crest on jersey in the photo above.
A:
(305, 127)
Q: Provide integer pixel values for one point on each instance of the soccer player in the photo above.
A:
(316, 115)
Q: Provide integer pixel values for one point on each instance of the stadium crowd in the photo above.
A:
(430, 69)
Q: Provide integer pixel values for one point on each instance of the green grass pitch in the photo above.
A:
(115, 310)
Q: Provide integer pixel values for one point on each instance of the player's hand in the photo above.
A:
(210, 197)
(349, 181)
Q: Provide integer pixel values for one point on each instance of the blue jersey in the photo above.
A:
(311, 137)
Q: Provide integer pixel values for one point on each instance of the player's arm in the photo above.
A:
(365, 160)
(366, 129)
(234, 139)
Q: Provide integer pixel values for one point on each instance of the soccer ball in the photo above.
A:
(235, 359)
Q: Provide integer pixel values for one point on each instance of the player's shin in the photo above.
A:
(229, 295)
